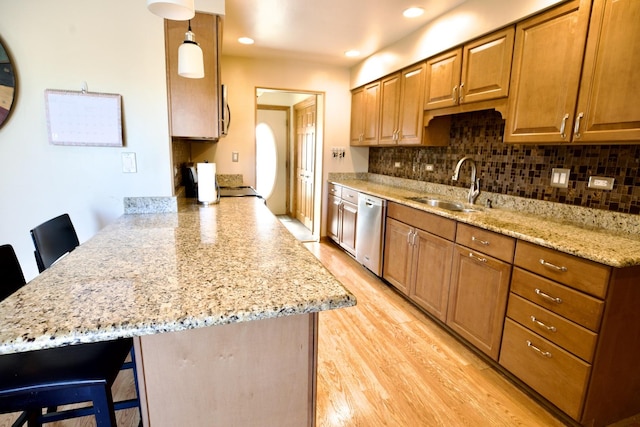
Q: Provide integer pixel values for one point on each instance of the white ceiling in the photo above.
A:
(322, 29)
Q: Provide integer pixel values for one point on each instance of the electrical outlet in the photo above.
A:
(398, 164)
(560, 177)
(601, 182)
(430, 168)
(234, 156)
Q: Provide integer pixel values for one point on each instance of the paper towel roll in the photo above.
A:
(207, 185)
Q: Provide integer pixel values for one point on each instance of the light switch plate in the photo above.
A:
(234, 156)
(129, 163)
(560, 177)
(601, 182)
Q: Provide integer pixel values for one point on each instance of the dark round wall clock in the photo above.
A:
(7, 84)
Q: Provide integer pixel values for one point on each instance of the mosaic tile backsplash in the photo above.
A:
(519, 170)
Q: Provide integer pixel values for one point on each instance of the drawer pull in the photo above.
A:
(542, 325)
(552, 266)
(477, 258)
(482, 242)
(549, 297)
(540, 352)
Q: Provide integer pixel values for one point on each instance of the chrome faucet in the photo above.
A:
(474, 191)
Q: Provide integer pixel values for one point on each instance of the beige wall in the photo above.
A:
(243, 75)
(116, 46)
(470, 20)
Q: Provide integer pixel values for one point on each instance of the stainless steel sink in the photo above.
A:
(443, 204)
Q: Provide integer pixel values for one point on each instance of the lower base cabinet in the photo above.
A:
(478, 298)
(342, 214)
(417, 258)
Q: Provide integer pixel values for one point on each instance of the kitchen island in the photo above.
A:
(222, 302)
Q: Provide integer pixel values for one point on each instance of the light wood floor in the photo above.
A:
(385, 363)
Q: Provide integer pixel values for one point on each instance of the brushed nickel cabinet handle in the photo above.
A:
(563, 125)
(482, 242)
(540, 352)
(549, 297)
(543, 325)
(477, 258)
(561, 269)
(461, 93)
(454, 92)
(576, 129)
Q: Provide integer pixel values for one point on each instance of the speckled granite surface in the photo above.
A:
(609, 238)
(152, 273)
(138, 205)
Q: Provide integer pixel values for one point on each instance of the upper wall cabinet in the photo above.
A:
(546, 74)
(365, 114)
(194, 110)
(550, 102)
(478, 71)
(608, 107)
(402, 113)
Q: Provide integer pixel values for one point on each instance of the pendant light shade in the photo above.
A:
(176, 10)
(190, 58)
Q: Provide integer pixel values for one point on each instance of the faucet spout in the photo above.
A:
(474, 190)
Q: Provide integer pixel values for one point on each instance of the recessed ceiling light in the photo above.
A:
(352, 53)
(413, 12)
(246, 40)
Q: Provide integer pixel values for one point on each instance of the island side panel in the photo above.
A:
(252, 373)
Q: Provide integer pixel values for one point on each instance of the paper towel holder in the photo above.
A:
(207, 189)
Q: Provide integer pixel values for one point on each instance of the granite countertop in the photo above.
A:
(615, 246)
(164, 272)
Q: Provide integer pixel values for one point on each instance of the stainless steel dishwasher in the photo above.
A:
(370, 232)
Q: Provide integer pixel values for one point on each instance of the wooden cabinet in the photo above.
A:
(401, 112)
(547, 61)
(342, 216)
(572, 326)
(479, 287)
(550, 102)
(478, 71)
(608, 107)
(194, 104)
(417, 259)
(365, 114)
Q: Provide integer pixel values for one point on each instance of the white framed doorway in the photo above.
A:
(271, 104)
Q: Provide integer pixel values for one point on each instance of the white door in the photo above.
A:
(271, 157)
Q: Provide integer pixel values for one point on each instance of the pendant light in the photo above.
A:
(190, 58)
(176, 10)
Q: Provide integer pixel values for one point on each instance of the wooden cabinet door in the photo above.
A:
(194, 103)
(442, 80)
(333, 218)
(608, 105)
(547, 60)
(431, 273)
(348, 232)
(371, 113)
(486, 67)
(389, 109)
(397, 255)
(478, 298)
(411, 106)
(357, 116)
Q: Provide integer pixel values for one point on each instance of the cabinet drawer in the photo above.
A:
(434, 224)
(581, 274)
(485, 241)
(335, 190)
(554, 373)
(568, 335)
(350, 195)
(567, 302)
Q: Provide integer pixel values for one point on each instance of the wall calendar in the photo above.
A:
(84, 118)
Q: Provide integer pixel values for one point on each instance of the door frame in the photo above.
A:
(264, 91)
